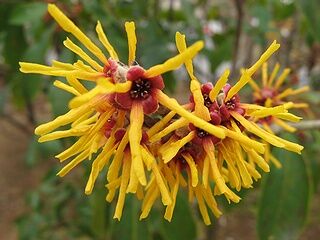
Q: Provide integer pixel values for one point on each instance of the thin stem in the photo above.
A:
(239, 7)
(303, 125)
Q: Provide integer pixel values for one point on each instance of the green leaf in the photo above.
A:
(130, 227)
(311, 17)
(37, 151)
(182, 225)
(14, 46)
(285, 197)
(28, 12)
(32, 154)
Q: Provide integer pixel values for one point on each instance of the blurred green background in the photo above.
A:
(35, 204)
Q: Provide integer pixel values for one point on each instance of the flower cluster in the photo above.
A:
(271, 94)
(204, 145)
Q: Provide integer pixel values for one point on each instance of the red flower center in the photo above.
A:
(207, 100)
(231, 104)
(201, 133)
(265, 93)
(140, 89)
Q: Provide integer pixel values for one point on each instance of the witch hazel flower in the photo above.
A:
(230, 160)
(270, 93)
(108, 120)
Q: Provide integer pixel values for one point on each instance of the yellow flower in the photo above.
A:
(98, 117)
(231, 160)
(270, 94)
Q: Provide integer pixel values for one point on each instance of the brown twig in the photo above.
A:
(14, 122)
(239, 8)
(303, 125)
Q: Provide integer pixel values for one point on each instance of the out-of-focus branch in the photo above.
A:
(239, 7)
(303, 125)
(14, 122)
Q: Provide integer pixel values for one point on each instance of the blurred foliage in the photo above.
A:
(60, 210)
(285, 197)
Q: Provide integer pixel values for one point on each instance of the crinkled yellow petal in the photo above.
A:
(253, 172)
(65, 87)
(134, 181)
(82, 66)
(257, 131)
(264, 74)
(284, 125)
(301, 90)
(74, 82)
(69, 26)
(53, 71)
(147, 157)
(281, 78)
(244, 173)
(267, 127)
(140, 193)
(218, 179)
(62, 65)
(182, 46)
(85, 141)
(275, 161)
(290, 92)
(86, 119)
(233, 173)
(288, 116)
(173, 105)
(249, 106)
(211, 202)
(104, 40)
(257, 146)
(160, 124)
(62, 120)
(294, 147)
(168, 174)
(202, 206)
(148, 203)
(77, 50)
(135, 135)
(258, 160)
(117, 159)
(193, 169)
(166, 199)
(170, 208)
(114, 184)
(26, 67)
(285, 93)
(77, 131)
(195, 87)
(122, 192)
(244, 79)
(132, 41)
(181, 122)
(219, 85)
(174, 62)
(173, 149)
(205, 172)
(300, 105)
(66, 169)
(273, 74)
(99, 163)
(261, 113)
(200, 109)
(264, 57)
